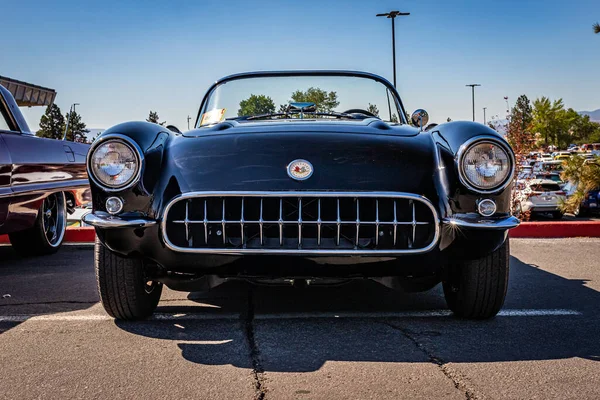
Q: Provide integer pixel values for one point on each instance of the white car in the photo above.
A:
(539, 196)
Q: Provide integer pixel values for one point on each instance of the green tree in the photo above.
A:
(325, 102)
(373, 109)
(52, 123)
(154, 118)
(596, 27)
(552, 121)
(582, 130)
(518, 133)
(76, 129)
(256, 105)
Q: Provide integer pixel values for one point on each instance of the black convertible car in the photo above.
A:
(302, 175)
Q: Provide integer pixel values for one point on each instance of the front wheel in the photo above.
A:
(47, 233)
(476, 289)
(125, 291)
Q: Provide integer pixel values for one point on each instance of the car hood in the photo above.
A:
(348, 159)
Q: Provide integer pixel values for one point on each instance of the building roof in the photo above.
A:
(27, 94)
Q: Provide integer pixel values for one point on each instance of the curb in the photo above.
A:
(556, 229)
(565, 229)
(72, 235)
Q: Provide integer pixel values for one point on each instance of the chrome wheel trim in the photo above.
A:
(54, 218)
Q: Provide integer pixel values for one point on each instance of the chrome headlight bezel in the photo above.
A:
(463, 150)
(137, 151)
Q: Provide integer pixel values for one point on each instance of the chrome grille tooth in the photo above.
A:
(299, 222)
(281, 222)
(319, 222)
(260, 222)
(395, 223)
(187, 223)
(376, 222)
(414, 224)
(223, 222)
(339, 224)
(357, 222)
(205, 223)
(242, 225)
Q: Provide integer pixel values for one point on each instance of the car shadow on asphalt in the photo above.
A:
(278, 335)
(45, 285)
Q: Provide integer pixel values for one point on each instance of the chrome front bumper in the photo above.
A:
(473, 221)
(104, 220)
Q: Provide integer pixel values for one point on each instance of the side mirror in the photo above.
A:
(420, 118)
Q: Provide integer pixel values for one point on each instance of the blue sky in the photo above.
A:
(121, 59)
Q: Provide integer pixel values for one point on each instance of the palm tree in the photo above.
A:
(596, 27)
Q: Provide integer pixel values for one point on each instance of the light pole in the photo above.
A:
(392, 15)
(484, 121)
(71, 111)
(472, 85)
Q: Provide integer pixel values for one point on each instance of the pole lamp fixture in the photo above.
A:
(392, 15)
(472, 85)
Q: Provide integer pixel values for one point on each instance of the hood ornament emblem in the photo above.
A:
(300, 170)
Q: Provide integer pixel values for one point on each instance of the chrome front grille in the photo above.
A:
(300, 223)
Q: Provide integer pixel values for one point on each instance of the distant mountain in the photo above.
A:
(594, 115)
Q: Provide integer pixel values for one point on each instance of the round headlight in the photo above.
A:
(114, 164)
(486, 165)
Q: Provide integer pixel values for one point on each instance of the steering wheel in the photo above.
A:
(360, 111)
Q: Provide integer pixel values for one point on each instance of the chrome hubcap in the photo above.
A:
(53, 220)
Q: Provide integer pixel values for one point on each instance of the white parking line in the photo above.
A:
(308, 315)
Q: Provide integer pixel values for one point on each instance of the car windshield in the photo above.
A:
(296, 97)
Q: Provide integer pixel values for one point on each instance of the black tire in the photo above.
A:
(557, 215)
(124, 290)
(47, 233)
(476, 289)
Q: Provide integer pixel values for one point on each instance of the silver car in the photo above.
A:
(540, 196)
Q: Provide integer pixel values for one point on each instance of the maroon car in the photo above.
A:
(41, 180)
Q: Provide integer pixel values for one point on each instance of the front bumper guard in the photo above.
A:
(104, 220)
(475, 221)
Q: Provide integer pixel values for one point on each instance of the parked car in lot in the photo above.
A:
(548, 166)
(308, 190)
(539, 196)
(41, 180)
(562, 155)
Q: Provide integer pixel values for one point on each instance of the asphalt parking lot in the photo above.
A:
(359, 340)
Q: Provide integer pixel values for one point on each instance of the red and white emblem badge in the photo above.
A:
(300, 170)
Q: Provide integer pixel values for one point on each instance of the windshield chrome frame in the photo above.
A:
(270, 74)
